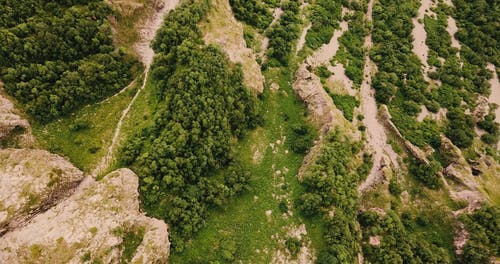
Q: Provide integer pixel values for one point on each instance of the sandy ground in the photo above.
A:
(495, 94)
(326, 52)
(148, 31)
(435, 116)
(146, 54)
(302, 39)
(375, 131)
(223, 30)
(339, 77)
(495, 91)
(420, 35)
(452, 29)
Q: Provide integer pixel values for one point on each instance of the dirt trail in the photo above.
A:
(302, 39)
(265, 42)
(495, 91)
(420, 35)
(452, 29)
(495, 94)
(146, 54)
(375, 132)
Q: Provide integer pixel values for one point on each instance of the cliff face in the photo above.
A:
(100, 221)
(31, 179)
(51, 213)
(14, 130)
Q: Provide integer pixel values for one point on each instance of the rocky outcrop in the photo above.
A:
(48, 215)
(14, 130)
(101, 222)
(482, 108)
(458, 169)
(320, 105)
(415, 151)
(223, 30)
(31, 180)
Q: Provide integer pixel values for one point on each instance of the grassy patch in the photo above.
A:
(243, 223)
(84, 136)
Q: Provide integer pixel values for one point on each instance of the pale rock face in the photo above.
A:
(30, 179)
(90, 224)
(223, 30)
(309, 88)
(12, 126)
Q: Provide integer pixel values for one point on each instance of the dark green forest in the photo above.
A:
(56, 56)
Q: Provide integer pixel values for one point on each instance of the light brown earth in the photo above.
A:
(93, 221)
(223, 30)
(376, 136)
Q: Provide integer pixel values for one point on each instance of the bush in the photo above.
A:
(346, 104)
(301, 139)
(252, 12)
(79, 125)
(293, 245)
(426, 174)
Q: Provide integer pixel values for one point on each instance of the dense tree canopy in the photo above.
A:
(58, 55)
(253, 12)
(331, 190)
(203, 107)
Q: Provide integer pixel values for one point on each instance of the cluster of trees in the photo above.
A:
(462, 78)
(484, 241)
(283, 34)
(478, 21)
(427, 174)
(398, 241)
(331, 186)
(56, 56)
(351, 52)
(325, 17)
(400, 83)
(202, 107)
(301, 139)
(346, 104)
(438, 40)
(252, 12)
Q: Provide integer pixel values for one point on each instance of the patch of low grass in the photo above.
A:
(84, 136)
(243, 221)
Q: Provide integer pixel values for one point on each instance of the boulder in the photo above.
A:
(30, 180)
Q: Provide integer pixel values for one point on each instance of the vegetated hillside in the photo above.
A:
(202, 107)
(58, 55)
(395, 162)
